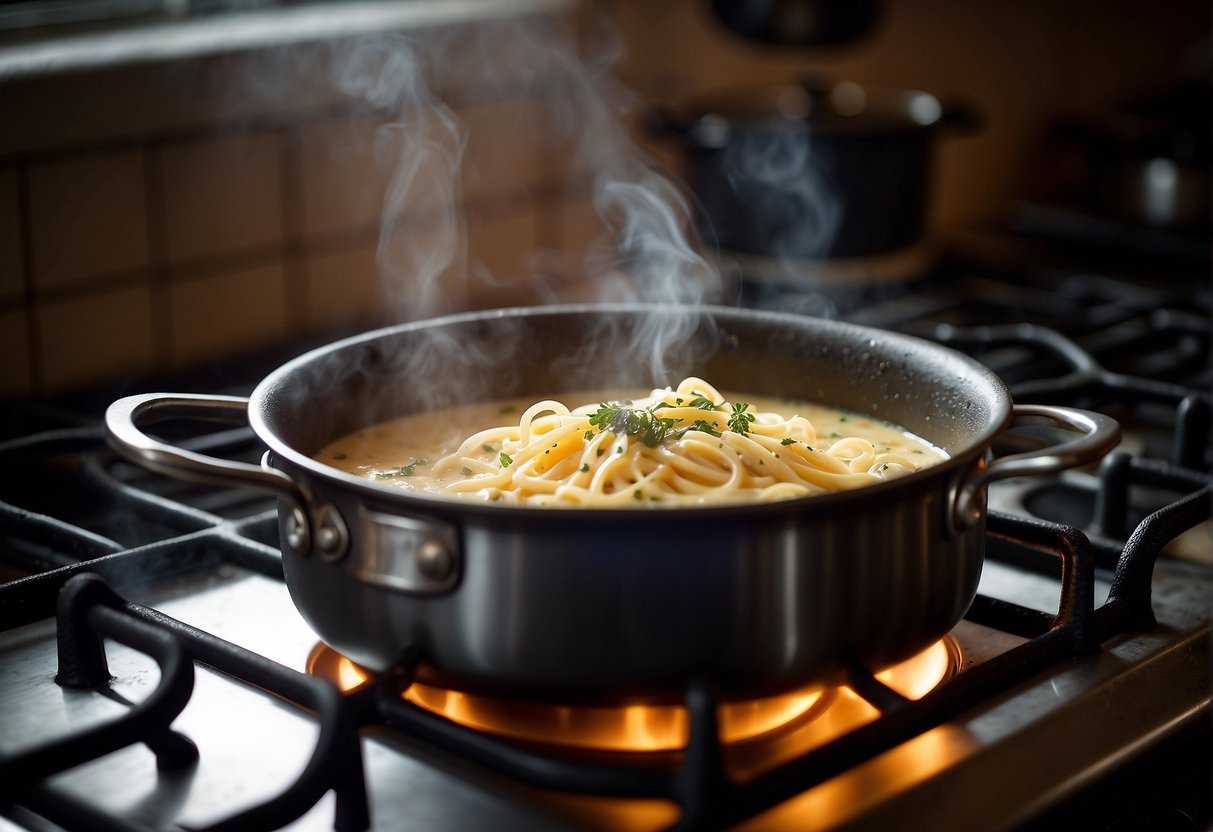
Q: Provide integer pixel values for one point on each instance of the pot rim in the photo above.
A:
(773, 106)
(429, 504)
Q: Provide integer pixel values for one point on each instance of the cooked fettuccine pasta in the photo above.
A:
(689, 445)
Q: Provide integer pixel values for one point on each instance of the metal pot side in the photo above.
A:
(755, 597)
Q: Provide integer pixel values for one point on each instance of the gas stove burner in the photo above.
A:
(648, 725)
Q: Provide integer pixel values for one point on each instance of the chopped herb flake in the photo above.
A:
(465, 471)
(706, 427)
(585, 466)
(402, 471)
(787, 440)
(488, 447)
(506, 462)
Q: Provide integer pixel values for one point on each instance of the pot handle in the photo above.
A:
(1099, 434)
(125, 419)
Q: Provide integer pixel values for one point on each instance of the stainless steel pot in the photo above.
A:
(756, 597)
(812, 170)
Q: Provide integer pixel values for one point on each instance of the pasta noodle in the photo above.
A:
(683, 446)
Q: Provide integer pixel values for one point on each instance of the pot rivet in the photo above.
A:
(327, 538)
(434, 560)
(332, 539)
(297, 532)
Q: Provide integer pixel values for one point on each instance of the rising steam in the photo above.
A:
(422, 146)
(645, 253)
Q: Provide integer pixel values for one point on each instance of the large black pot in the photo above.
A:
(812, 170)
(755, 597)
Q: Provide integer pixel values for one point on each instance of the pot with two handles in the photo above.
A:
(758, 598)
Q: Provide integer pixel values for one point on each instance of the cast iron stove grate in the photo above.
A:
(78, 568)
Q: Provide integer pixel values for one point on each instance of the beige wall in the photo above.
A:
(157, 216)
(1020, 64)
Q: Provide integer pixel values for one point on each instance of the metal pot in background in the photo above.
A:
(1149, 163)
(812, 170)
(797, 22)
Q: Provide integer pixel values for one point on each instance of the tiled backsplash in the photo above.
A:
(158, 215)
(157, 251)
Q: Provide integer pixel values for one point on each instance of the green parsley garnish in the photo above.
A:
(506, 462)
(706, 427)
(787, 440)
(739, 420)
(407, 470)
(465, 471)
(402, 471)
(585, 466)
(622, 420)
(629, 421)
(488, 447)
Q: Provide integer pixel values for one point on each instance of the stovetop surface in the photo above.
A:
(1049, 728)
(208, 558)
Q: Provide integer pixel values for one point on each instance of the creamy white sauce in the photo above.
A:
(403, 452)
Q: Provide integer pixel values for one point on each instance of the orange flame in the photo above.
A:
(636, 726)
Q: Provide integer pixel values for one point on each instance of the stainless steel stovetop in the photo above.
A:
(1083, 694)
